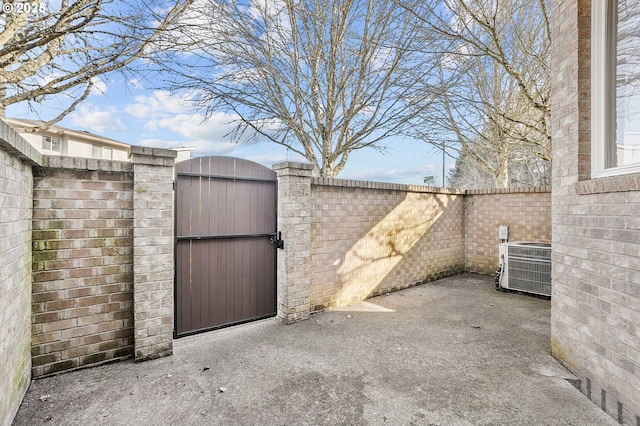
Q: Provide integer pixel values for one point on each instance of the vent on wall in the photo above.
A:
(526, 267)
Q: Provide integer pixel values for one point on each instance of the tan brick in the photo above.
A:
(81, 249)
(47, 296)
(152, 213)
(60, 305)
(595, 250)
(353, 246)
(58, 325)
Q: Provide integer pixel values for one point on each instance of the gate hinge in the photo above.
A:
(276, 238)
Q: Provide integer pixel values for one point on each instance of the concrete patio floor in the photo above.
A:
(451, 352)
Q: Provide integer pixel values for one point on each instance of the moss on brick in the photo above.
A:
(123, 352)
(52, 244)
(21, 376)
(93, 359)
(47, 234)
(61, 366)
(105, 346)
(41, 256)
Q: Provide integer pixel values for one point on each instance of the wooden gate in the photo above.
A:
(225, 243)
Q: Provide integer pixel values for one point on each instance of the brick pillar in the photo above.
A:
(294, 220)
(153, 244)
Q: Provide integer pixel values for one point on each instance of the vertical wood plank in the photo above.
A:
(224, 281)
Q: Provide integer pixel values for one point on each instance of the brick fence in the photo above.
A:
(17, 158)
(372, 238)
(527, 212)
(350, 240)
(87, 262)
(82, 266)
(102, 260)
(87, 248)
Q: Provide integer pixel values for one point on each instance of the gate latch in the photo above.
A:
(276, 238)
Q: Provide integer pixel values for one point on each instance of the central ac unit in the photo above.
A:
(526, 267)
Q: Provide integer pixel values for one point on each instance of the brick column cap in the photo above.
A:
(152, 156)
(292, 168)
(11, 141)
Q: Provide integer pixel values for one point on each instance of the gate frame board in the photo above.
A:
(240, 174)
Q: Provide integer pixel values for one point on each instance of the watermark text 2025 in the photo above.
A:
(19, 8)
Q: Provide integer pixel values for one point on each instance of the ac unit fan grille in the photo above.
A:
(530, 269)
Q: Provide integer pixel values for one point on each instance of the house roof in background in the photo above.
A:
(32, 126)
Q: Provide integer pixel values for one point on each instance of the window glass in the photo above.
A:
(107, 153)
(627, 83)
(96, 152)
(102, 152)
(51, 143)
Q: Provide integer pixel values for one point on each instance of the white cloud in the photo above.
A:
(159, 104)
(162, 112)
(195, 126)
(200, 147)
(97, 119)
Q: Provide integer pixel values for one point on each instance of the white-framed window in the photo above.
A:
(615, 87)
(51, 143)
(102, 152)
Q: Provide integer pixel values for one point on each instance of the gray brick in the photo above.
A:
(595, 250)
(15, 279)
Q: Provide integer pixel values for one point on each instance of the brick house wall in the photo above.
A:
(595, 312)
(16, 188)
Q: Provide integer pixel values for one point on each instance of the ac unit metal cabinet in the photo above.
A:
(526, 267)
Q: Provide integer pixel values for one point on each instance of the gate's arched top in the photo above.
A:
(225, 166)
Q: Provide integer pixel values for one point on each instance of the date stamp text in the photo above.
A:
(21, 8)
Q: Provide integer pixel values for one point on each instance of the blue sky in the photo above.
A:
(124, 110)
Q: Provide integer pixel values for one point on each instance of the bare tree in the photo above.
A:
(494, 106)
(521, 170)
(321, 77)
(55, 49)
(467, 175)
